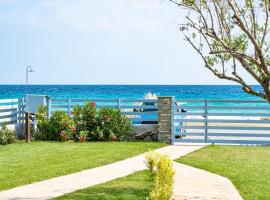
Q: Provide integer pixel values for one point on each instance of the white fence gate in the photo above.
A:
(222, 121)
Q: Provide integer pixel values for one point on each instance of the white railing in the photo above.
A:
(139, 111)
(208, 121)
(11, 111)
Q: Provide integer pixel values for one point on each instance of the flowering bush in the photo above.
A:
(42, 131)
(84, 118)
(61, 127)
(7, 136)
(86, 123)
(100, 124)
(112, 124)
(58, 127)
(83, 136)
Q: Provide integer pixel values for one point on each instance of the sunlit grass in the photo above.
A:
(133, 187)
(248, 167)
(23, 163)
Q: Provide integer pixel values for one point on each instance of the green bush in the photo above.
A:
(58, 127)
(61, 127)
(7, 136)
(42, 131)
(83, 136)
(87, 123)
(101, 124)
(85, 119)
(162, 166)
(111, 124)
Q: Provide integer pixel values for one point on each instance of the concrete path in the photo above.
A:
(66, 184)
(195, 184)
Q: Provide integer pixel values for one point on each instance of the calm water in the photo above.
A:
(127, 91)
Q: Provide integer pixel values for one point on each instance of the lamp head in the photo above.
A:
(29, 69)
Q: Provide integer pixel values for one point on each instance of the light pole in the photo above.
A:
(28, 70)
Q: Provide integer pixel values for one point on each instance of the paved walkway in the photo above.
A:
(195, 184)
(66, 184)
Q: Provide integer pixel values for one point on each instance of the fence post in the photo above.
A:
(20, 126)
(206, 121)
(69, 106)
(165, 119)
(27, 134)
(49, 107)
(118, 103)
(19, 119)
(172, 120)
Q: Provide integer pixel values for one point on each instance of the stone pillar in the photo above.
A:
(165, 118)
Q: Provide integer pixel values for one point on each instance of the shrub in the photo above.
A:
(89, 113)
(85, 119)
(7, 136)
(42, 131)
(87, 123)
(83, 136)
(100, 124)
(77, 118)
(152, 158)
(161, 165)
(112, 125)
(61, 127)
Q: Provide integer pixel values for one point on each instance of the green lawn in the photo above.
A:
(136, 186)
(248, 167)
(23, 163)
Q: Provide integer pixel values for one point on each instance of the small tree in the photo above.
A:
(231, 36)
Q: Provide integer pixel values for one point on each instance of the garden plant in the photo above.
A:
(7, 136)
(162, 167)
(86, 123)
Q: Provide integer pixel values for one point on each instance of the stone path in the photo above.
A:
(195, 184)
(66, 184)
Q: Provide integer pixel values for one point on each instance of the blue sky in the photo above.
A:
(97, 42)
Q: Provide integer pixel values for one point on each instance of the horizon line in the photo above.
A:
(127, 84)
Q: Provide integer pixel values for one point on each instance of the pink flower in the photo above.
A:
(73, 112)
(93, 104)
(73, 128)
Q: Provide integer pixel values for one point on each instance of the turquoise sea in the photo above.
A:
(127, 91)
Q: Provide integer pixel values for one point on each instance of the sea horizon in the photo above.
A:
(125, 91)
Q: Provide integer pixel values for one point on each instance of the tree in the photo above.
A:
(231, 36)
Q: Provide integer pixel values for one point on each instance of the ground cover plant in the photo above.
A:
(22, 163)
(248, 167)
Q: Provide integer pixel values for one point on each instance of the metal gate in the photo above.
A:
(221, 121)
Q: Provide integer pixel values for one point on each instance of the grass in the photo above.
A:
(248, 167)
(133, 187)
(23, 163)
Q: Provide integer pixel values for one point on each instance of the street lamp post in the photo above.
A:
(28, 70)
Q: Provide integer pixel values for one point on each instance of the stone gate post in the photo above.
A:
(165, 118)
